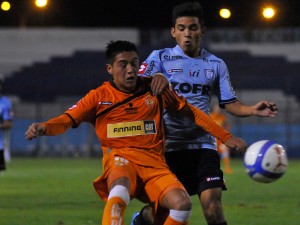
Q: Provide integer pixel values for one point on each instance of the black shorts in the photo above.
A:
(2, 160)
(198, 169)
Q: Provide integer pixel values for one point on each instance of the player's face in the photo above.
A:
(124, 70)
(188, 33)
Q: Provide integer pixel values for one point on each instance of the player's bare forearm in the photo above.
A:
(262, 108)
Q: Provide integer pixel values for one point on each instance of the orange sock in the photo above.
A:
(114, 211)
(170, 221)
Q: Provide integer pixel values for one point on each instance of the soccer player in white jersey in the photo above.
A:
(195, 73)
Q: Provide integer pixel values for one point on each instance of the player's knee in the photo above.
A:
(183, 204)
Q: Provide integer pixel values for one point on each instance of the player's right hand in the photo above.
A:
(35, 130)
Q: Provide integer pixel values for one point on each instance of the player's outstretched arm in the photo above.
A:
(54, 126)
(262, 108)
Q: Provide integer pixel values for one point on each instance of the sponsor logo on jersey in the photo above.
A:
(130, 109)
(104, 103)
(185, 88)
(149, 69)
(72, 107)
(209, 73)
(194, 73)
(172, 57)
(208, 179)
(143, 68)
(119, 161)
(175, 70)
(131, 128)
(215, 60)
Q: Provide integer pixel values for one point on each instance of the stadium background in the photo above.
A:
(48, 66)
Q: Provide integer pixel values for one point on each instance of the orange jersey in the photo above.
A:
(136, 125)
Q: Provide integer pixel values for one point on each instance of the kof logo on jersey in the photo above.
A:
(209, 73)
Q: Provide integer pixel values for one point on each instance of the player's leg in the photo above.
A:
(116, 186)
(6, 142)
(180, 206)
(117, 201)
(183, 164)
(165, 190)
(211, 186)
(212, 208)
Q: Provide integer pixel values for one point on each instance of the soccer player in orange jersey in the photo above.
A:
(128, 122)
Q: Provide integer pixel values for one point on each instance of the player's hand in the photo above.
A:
(35, 130)
(236, 143)
(159, 83)
(265, 109)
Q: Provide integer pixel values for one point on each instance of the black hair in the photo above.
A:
(193, 9)
(115, 47)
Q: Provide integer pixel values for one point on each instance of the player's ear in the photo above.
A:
(172, 32)
(109, 69)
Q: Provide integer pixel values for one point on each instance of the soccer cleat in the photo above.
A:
(134, 218)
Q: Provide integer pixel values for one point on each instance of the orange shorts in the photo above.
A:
(148, 184)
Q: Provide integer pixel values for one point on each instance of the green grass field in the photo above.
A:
(60, 192)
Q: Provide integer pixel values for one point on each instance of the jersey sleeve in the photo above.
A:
(58, 125)
(152, 64)
(207, 124)
(83, 111)
(226, 92)
(172, 101)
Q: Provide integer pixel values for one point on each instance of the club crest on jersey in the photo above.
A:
(149, 101)
(209, 73)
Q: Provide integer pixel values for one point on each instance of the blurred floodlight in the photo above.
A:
(268, 12)
(5, 6)
(225, 13)
(41, 3)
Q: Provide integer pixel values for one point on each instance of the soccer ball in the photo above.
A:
(265, 161)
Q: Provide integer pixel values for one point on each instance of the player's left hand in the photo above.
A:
(159, 83)
(265, 109)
